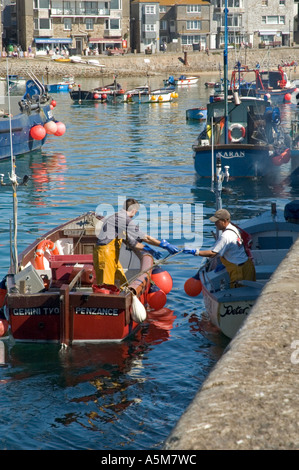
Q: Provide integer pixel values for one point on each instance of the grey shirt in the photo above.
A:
(121, 226)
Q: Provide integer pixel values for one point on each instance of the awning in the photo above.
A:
(269, 31)
(105, 41)
(53, 40)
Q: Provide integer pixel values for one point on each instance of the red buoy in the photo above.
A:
(60, 128)
(287, 98)
(162, 279)
(96, 96)
(50, 127)
(104, 96)
(193, 286)
(53, 103)
(156, 298)
(3, 327)
(38, 132)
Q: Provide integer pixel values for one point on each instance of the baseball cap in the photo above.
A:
(221, 214)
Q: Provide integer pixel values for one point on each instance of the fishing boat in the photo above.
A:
(272, 84)
(245, 131)
(160, 95)
(271, 236)
(199, 113)
(52, 295)
(21, 117)
(182, 80)
(98, 94)
(66, 84)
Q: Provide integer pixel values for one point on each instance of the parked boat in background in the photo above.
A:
(98, 94)
(251, 141)
(272, 235)
(199, 114)
(161, 95)
(182, 80)
(25, 116)
(272, 84)
(52, 296)
(66, 84)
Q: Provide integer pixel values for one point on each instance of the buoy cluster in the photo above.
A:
(39, 131)
(162, 285)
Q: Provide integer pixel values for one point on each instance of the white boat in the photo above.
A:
(182, 80)
(95, 62)
(154, 96)
(273, 233)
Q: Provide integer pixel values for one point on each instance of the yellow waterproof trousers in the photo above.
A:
(237, 273)
(106, 263)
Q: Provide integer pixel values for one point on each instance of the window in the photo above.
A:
(273, 19)
(115, 5)
(193, 25)
(89, 24)
(282, 3)
(67, 24)
(45, 4)
(163, 25)
(193, 8)
(232, 20)
(149, 27)
(42, 23)
(114, 23)
(150, 9)
(264, 3)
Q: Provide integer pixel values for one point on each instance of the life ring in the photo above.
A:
(236, 126)
(40, 251)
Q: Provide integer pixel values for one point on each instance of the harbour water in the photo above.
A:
(125, 396)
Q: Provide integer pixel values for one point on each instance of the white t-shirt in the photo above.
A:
(230, 246)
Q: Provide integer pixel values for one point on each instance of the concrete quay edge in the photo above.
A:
(250, 400)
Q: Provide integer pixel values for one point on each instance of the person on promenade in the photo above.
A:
(231, 249)
(115, 229)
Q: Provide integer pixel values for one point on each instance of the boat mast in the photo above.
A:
(225, 74)
(14, 184)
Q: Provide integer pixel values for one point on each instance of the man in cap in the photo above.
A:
(230, 247)
(115, 229)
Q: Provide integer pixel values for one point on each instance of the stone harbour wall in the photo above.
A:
(168, 63)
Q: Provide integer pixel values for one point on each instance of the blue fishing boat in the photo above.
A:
(243, 131)
(199, 113)
(66, 85)
(254, 145)
(22, 118)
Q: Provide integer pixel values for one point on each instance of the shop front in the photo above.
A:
(105, 45)
(49, 46)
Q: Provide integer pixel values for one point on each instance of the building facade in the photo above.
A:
(72, 26)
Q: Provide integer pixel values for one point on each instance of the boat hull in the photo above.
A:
(199, 114)
(21, 124)
(244, 161)
(69, 307)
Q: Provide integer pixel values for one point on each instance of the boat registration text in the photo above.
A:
(31, 311)
(230, 154)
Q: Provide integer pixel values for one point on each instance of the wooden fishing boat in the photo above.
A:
(53, 296)
(272, 235)
(98, 94)
(24, 115)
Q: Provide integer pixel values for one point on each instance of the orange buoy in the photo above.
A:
(287, 98)
(156, 298)
(162, 279)
(50, 127)
(38, 132)
(40, 251)
(60, 128)
(3, 326)
(193, 286)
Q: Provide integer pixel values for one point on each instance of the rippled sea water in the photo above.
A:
(125, 396)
